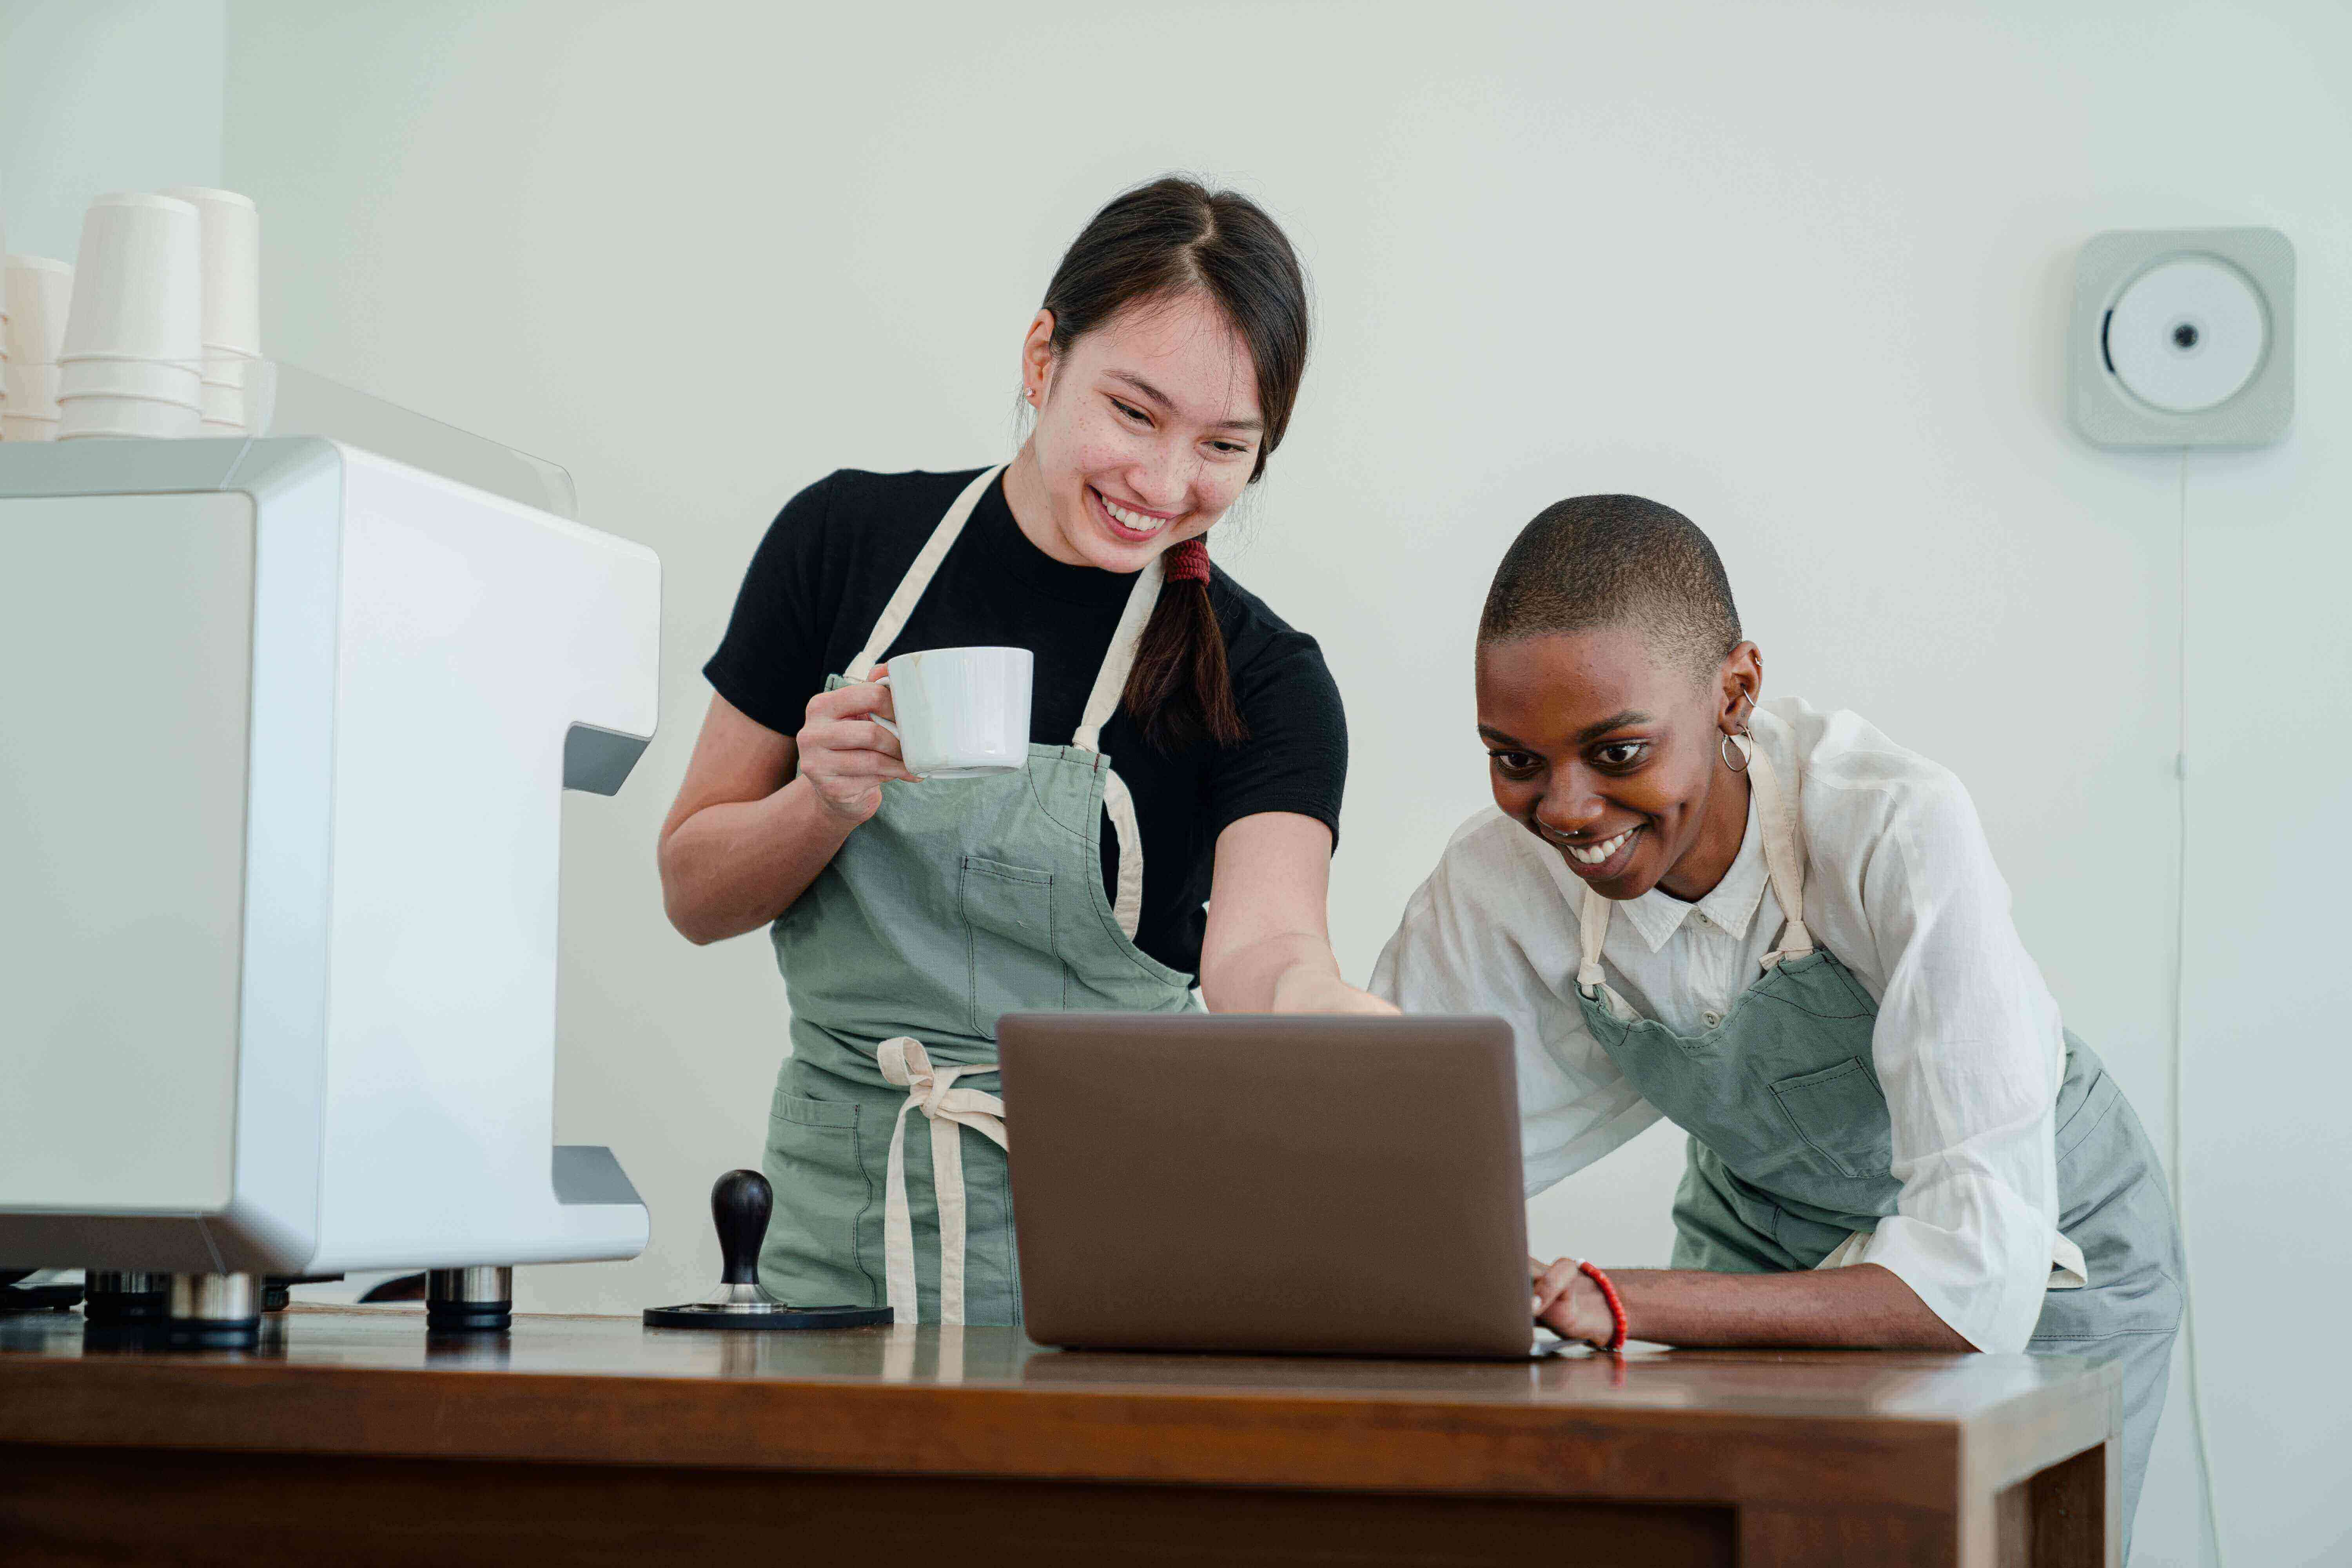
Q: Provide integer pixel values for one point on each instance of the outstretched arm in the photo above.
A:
(1268, 945)
(1864, 1306)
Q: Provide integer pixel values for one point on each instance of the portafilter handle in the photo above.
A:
(741, 1202)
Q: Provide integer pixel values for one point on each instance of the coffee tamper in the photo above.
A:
(739, 1205)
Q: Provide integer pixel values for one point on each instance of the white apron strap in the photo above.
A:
(904, 1062)
(1110, 683)
(919, 576)
(1119, 662)
(1784, 852)
(1592, 929)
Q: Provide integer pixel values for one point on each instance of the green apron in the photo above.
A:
(1791, 1142)
(959, 901)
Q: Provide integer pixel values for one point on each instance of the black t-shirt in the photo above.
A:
(838, 550)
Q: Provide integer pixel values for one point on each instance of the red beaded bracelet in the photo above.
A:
(1616, 1307)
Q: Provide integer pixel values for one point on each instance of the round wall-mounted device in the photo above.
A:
(2186, 335)
(2183, 338)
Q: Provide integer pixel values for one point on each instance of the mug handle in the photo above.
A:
(884, 681)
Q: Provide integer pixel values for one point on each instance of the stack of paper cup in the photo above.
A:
(33, 335)
(133, 337)
(230, 235)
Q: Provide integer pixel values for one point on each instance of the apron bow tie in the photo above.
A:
(906, 1065)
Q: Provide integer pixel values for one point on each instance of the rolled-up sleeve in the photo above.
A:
(1485, 935)
(1969, 1051)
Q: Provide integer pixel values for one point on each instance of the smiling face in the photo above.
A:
(1612, 754)
(1148, 427)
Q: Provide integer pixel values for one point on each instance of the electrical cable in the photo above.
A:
(2180, 989)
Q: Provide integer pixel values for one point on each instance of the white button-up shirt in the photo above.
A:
(1900, 884)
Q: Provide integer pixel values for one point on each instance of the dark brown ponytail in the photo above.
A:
(1180, 690)
(1175, 236)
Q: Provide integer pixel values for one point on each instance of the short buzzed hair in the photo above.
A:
(1616, 561)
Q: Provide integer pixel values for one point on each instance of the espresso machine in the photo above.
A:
(285, 728)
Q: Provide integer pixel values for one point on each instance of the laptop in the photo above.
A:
(1236, 1182)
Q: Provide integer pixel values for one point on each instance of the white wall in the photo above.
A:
(1800, 271)
(103, 95)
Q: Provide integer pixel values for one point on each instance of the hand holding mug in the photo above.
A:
(847, 749)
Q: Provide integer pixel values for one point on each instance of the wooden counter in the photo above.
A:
(346, 1437)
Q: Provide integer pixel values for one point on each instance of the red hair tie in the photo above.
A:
(1186, 562)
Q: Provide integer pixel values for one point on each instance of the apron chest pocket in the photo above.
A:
(1842, 1116)
(1014, 962)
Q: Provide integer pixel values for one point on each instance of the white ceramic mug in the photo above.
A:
(963, 713)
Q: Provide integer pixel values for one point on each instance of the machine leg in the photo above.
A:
(215, 1312)
(469, 1300)
(123, 1303)
(118, 1297)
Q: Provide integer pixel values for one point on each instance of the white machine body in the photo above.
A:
(284, 728)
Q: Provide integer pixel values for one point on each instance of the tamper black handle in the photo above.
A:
(741, 1202)
(739, 1205)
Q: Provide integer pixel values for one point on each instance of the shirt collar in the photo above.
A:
(1730, 903)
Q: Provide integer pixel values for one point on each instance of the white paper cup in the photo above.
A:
(31, 389)
(962, 712)
(226, 370)
(128, 378)
(137, 281)
(80, 419)
(23, 427)
(223, 407)
(39, 290)
(230, 236)
(239, 392)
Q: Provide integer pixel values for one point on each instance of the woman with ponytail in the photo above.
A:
(1175, 823)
